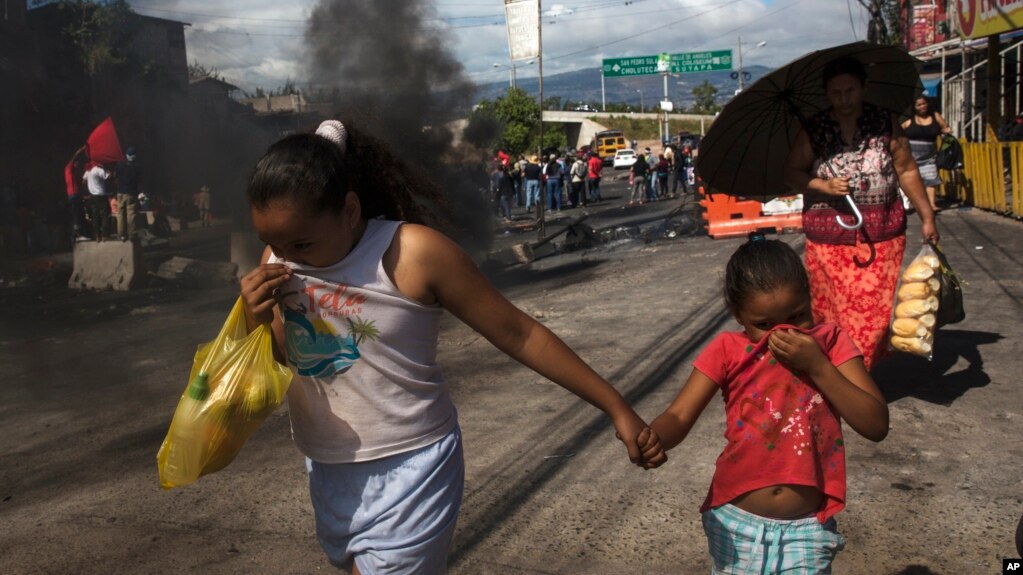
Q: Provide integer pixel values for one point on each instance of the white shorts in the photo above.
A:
(394, 515)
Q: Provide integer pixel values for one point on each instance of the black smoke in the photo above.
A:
(388, 64)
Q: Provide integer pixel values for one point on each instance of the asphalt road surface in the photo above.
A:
(91, 380)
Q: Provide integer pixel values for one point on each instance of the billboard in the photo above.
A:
(523, 18)
(980, 18)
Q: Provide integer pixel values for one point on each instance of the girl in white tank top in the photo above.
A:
(354, 286)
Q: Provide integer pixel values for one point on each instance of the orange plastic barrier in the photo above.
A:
(727, 216)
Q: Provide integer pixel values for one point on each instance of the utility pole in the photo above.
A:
(741, 86)
(539, 34)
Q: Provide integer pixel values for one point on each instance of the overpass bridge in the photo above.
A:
(581, 126)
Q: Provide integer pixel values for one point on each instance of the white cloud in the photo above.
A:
(259, 42)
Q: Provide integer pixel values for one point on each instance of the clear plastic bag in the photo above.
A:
(916, 305)
(235, 384)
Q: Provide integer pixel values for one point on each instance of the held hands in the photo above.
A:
(259, 290)
(645, 447)
(796, 350)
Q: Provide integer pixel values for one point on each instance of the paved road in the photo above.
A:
(92, 379)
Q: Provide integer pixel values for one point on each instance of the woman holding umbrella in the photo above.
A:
(855, 149)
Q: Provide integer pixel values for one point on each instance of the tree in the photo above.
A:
(892, 12)
(197, 70)
(512, 123)
(101, 33)
(706, 96)
(877, 29)
(520, 115)
(554, 137)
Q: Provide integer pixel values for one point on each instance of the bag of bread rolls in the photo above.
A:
(919, 290)
(913, 326)
(916, 304)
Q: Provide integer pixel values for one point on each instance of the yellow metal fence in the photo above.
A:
(991, 178)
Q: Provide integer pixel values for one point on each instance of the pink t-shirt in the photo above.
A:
(781, 429)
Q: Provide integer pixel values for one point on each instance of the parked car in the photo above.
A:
(624, 159)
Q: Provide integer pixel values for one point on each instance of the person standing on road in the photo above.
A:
(578, 172)
(516, 175)
(683, 162)
(669, 155)
(355, 288)
(854, 273)
(651, 161)
(202, 201)
(520, 177)
(532, 173)
(922, 129)
(594, 165)
(552, 174)
(660, 172)
(128, 175)
(565, 179)
(505, 192)
(639, 172)
(788, 384)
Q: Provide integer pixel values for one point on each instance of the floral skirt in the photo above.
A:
(854, 287)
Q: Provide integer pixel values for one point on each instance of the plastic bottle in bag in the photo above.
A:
(187, 446)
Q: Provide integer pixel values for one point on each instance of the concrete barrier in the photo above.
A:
(108, 265)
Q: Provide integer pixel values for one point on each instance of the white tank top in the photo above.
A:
(367, 384)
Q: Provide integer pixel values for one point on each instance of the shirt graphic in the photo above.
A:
(314, 345)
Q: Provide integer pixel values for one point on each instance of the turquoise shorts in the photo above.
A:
(393, 516)
(742, 543)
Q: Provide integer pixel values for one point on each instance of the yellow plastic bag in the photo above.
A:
(234, 386)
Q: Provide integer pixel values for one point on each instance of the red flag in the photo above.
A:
(103, 146)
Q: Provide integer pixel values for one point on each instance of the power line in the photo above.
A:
(848, 5)
(645, 32)
(757, 21)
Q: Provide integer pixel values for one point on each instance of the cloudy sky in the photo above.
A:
(260, 42)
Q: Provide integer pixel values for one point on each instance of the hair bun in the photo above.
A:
(334, 131)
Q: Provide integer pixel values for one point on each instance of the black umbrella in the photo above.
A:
(745, 150)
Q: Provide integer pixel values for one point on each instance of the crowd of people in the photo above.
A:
(106, 200)
(660, 177)
(572, 180)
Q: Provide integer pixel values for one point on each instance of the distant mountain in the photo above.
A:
(584, 86)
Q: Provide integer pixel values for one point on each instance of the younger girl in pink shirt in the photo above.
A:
(787, 384)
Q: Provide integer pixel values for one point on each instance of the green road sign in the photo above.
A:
(636, 66)
(701, 61)
(680, 63)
